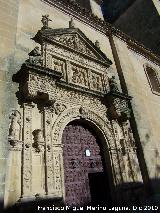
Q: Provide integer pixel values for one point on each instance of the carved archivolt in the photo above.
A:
(76, 113)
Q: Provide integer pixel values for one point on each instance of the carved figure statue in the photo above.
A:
(71, 23)
(35, 56)
(97, 44)
(129, 134)
(58, 66)
(15, 126)
(45, 20)
(38, 140)
(113, 84)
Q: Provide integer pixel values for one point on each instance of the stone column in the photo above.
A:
(49, 177)
(27, 149)
(53, 159)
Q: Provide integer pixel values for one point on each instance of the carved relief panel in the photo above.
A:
(96, 81)
(79, 75)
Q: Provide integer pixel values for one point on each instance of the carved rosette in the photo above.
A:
(27, 148)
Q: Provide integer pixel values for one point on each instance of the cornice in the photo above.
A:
(75, 10)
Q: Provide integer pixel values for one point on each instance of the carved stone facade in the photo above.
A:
(69, 80)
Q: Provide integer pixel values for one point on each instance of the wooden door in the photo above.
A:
(82, 158)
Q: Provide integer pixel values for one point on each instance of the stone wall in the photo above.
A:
(145, 105)
(8, 28)
(141, 21)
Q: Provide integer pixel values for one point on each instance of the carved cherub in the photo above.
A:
(15, 125)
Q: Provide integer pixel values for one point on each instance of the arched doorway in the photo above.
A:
(85, 177)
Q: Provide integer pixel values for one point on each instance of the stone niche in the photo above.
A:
(65, 78)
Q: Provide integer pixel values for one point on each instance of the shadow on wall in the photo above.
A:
(112, 9)
(132, 194)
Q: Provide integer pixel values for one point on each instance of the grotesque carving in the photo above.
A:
(38, 140)
(45, 20)
(35, 57)
(15, 126)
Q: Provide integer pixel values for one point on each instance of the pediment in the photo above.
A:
(73, 39)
